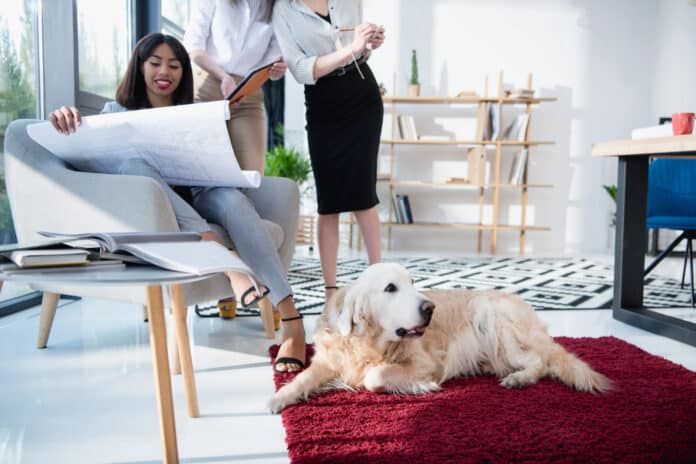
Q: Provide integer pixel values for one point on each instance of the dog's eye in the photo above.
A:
(391, 288)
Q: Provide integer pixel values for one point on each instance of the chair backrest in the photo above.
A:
(672, 188)
(28, 167)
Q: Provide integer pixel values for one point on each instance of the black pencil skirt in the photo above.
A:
(344, 124)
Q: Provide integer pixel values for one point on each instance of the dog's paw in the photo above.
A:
(517, 380)
(374, 380)
(425, 387)
(279, 401)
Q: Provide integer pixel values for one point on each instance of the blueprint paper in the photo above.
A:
(187, 144)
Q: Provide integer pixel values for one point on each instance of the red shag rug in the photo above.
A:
(650, 417)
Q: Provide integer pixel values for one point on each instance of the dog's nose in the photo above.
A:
(426, 309)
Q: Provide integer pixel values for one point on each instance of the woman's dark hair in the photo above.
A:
(131, 92)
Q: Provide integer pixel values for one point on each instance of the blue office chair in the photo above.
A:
(672, 205)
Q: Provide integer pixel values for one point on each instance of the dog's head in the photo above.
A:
(382, 302)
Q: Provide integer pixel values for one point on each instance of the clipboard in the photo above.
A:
(251, 82)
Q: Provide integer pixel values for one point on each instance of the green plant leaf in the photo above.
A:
(414, 68)
(287, 162)
(612, 190)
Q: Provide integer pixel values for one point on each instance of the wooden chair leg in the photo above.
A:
(163, 381)
(144, 313)
(266, 309)
(174, 358)
(184, 348)
(49, 303)
(1, 282)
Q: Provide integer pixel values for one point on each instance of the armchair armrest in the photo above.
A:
(45, 194)
(278, 200)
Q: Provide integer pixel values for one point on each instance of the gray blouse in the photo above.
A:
(113, 107)
(303, 35)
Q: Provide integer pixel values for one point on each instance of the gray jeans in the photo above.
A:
(230, 208)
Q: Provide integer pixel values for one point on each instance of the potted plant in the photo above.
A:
(287, 162)
(612, 191)
(413, 84)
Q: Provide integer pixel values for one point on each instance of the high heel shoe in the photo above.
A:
(288, 360)
(327, 288)
(227, 307)
(259, 295)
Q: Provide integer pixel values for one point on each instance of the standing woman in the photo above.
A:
(226, 39)
(344, 114)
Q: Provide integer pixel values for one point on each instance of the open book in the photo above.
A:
(187, 144)
(176, 251)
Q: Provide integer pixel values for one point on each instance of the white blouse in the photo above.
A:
(233, 34)
(303, 35)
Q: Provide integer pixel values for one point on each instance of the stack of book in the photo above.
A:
(407, 127)
(402, 209)
(519, 164)
(517, 130)
(175, 251)
(519, 93)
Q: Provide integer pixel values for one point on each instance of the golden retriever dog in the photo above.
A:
(381, 334)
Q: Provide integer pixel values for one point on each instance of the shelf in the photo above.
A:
(468, 100)
(465, 142)
(482, 200)
(457, 185)
(467, 226)
(416, 225)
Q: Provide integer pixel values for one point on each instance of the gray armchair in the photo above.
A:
(45, 194)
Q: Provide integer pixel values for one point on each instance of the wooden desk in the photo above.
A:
(631, 233)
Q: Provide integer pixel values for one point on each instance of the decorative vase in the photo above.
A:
(414, 90)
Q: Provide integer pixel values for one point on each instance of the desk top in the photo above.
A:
(683, 145)
(127, 276)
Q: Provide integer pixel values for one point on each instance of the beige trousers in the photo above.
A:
(247, 124)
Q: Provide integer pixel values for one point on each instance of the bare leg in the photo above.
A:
(293, 337)
(239, 281)
(368, 221)
(328, 249)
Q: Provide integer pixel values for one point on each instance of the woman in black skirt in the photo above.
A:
(344, 114)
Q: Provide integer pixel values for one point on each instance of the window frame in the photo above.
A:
(31, 298)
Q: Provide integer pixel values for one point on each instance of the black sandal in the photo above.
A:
(287, 360)
(258, 296)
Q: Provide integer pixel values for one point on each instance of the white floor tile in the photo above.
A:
(90, 396)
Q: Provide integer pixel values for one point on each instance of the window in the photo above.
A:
(18, 82)
(18, 97)
(175, 16)
(104, 38)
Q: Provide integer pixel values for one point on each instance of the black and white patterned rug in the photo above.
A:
(546, 283)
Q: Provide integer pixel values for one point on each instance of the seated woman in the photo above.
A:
(159, 74)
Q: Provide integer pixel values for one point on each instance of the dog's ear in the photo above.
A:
(350, 305)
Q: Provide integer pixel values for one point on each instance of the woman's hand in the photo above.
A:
(66, 120)
(278, 69)
(377, 39)
(361, 38)
(227, 85)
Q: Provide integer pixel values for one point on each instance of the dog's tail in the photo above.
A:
(576, 373)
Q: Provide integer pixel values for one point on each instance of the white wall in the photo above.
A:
(597, 57)
(675, 66)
